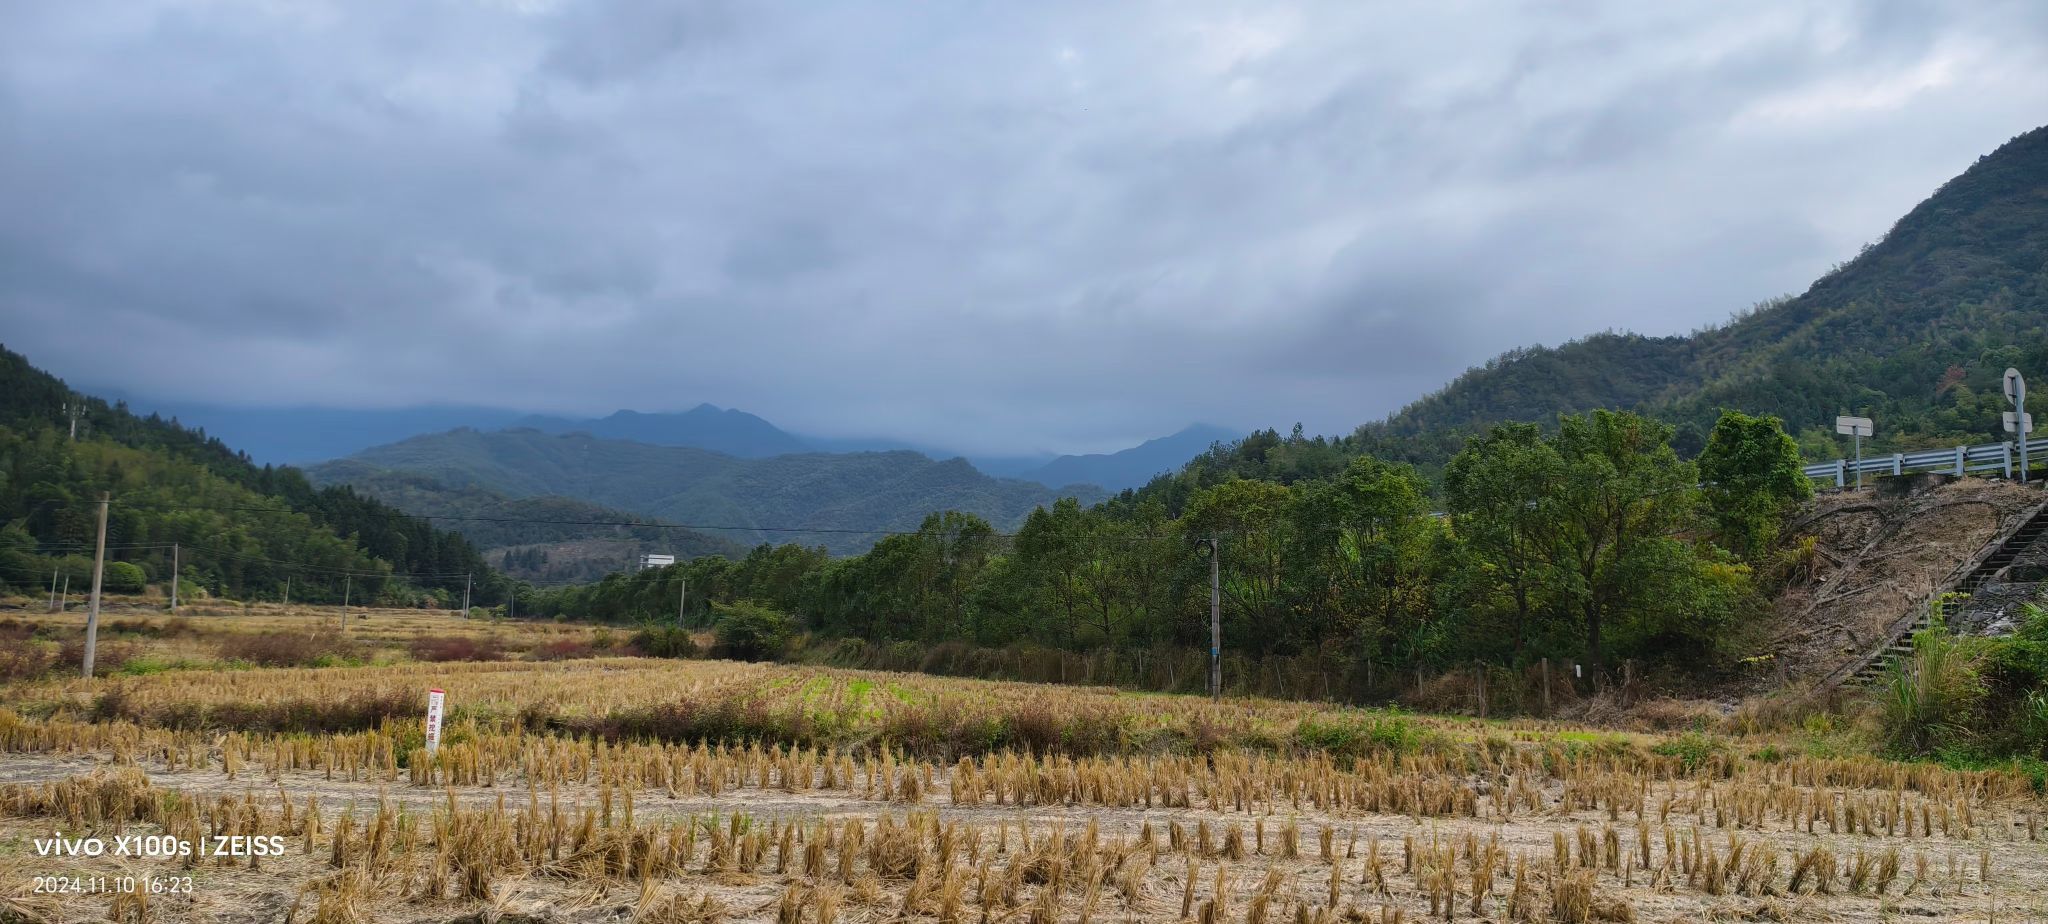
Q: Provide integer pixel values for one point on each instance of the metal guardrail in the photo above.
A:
(2002, 458)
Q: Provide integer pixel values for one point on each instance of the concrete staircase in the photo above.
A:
(1996, 556)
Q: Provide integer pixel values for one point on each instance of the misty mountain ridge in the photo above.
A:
(305, 435)
(1133, 467)
(557, 527)
(842, 501)
(706, 426)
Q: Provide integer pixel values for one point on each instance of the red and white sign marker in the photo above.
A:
(434, 700)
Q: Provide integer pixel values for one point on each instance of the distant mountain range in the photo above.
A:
(550, 538)
(298, 436)
(733, 432)
(826, 499)
(1130, 468)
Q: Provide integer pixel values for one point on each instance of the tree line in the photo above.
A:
(1591, 540)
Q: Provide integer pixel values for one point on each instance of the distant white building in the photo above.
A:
(656, 561)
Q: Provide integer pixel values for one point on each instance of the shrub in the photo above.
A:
(563, 649)
(2033, 724)
(752, 632)
(665, 642)
(1927, 695)
(107, 656)
(1693, 750)
(123, 578)
(287, 649)
(1665, 714)
(456, 648)
(1390, 734)
(359, 711)
(21, 657)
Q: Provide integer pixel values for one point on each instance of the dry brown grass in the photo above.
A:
(715, 791)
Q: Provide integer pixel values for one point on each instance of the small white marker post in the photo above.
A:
(434, 701)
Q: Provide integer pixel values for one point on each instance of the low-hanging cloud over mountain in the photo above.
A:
(1049, 226)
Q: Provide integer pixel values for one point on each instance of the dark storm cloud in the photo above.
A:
(1059, 226)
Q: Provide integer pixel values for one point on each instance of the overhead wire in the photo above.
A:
(531, 521)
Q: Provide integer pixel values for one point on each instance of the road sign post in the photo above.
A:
(1856, 428)
(2017, 420)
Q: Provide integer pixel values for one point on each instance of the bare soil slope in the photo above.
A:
(1879, 556)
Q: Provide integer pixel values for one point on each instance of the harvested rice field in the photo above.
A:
(636, 789)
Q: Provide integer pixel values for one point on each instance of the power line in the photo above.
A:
(699, 527)
(539, 522)
(61, 547)
(300, 566)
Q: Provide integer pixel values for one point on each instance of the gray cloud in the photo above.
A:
(1060, 226)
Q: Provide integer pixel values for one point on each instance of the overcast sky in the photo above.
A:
(995, 227)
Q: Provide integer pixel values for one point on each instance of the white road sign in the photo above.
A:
(2015, 386)
(2009, 428)
(1854, 426)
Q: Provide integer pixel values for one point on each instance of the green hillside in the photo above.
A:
(1915, 332)
(837, 500)
(498, 523)
(244, 531)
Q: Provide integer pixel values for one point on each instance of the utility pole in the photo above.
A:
(2016, 420)
(174, 579)
(1212, 547)
(465, 593)
(287, 591)
(74, 409)
(99, 565)
(53, 588)
(682, 597)
(64, 599)
(347, 584)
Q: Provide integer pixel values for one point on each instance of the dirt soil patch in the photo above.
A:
(1879, 558)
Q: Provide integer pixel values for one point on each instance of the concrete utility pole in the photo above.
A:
(465, 594)
(1212, 547)
(682, 597)
(287, 591)
(174, 579)
(53, 588)
(99, 566)
(74, 409)
(347, 584)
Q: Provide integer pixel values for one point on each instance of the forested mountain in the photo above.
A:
(498, 523)
(245, 530)
(841, 501)
(732, 432)
(1913, 332)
